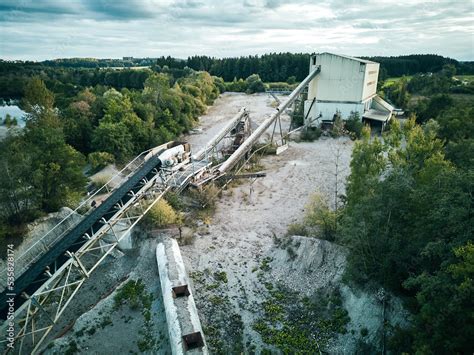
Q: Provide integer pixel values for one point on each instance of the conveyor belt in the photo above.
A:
(72, 241)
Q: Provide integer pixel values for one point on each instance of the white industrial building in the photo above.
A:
(344, 85)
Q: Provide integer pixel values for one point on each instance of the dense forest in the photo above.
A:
(407, 216)
(408, 225)
(42, 166)
(281, 66)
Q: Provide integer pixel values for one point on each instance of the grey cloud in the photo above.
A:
(114, 28)
(120, 9)
(31, 6)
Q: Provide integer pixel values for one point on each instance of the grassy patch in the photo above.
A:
(300, 325)
(223, 327)
(393, 80)
(468, 78)
(221, 276)
(265, 264)
(131, 293)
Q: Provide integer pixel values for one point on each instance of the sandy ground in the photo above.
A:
(240, 236)
(260, 106)
(250, 217)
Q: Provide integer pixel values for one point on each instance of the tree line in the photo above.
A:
(273, 67)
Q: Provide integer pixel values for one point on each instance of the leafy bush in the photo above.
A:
(310, 134)
(296, 229)
(236, 85)
(251, 85)
(321, 216)
(99, 160)
(100, 181)
(221, 276)
(174, 200)
(162, 215)
(281, 85)
(254, 84)
(337, 127)
(207, 197)
(354, 124)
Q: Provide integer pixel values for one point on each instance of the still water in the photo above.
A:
(14, 111)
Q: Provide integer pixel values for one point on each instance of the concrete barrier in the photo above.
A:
(184, 326)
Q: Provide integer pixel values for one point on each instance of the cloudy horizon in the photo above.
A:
(39, 30)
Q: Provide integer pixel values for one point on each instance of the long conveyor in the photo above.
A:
(29, 281)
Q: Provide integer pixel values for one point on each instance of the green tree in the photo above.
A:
(78, 125)
(57, 167)
(113, 138)
(254, 84)
(445, 300)
(354, 124)
(8, 120)
(99, 160)
(37, 96)
(407, 208)
(18, 200)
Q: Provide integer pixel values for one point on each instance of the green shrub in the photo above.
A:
(254, 84)
(99, 160)
(132, 293)
(221, 276)
(162, 215)
(337, 127)
(8, 120)
(236, 85)
(310, 134)
(174, 200)
(354, 124)
(100, 181)
(206, 198)
(297, 229)
(321, 216)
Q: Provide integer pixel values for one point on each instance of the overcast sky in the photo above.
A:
(44, 29)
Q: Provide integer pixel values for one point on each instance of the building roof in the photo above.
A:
(377, 115)
(349, 57)
(382, 103)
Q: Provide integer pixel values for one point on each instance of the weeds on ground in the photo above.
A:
(297, 229)
(132, 293)
(310, 134)
(296, 324)
(135, 295)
